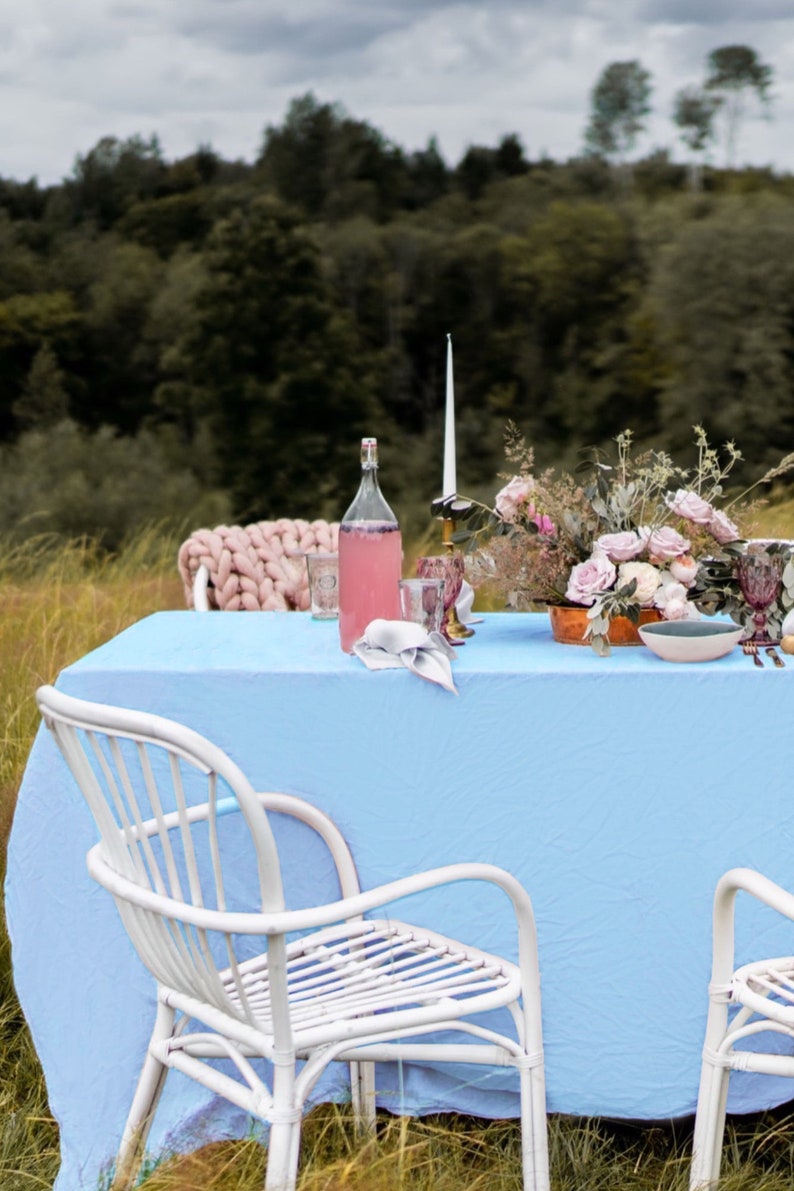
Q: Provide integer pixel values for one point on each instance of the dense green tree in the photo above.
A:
(114, 175)
(734, 73)
(278, 369)
(44, 400)
(330, 165)
(356, 263)
(427, 176)
(693, 114)
(62, 479)
(121, 373)
(480, 165)
(572, 278)
(167, 337)
(722, 296)
(619, 103)
(27, 322)
(21, 269)
(163, 224)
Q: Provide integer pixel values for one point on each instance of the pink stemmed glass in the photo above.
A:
(760, 580)
(448, 567)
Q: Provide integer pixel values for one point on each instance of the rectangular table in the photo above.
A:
(617, 790)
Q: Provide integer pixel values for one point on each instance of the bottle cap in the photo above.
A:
(369, 451)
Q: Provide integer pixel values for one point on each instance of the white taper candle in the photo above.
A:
(450, 484)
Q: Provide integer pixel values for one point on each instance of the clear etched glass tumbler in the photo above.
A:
(422, 601)
(448, 567)
(760, 578)
(323, 571)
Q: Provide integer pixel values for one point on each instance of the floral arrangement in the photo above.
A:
(635, 533)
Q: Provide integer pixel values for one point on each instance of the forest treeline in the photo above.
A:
(208, 339)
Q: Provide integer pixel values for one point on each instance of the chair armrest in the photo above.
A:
(740, 880)
(287, 921)
(312, 816)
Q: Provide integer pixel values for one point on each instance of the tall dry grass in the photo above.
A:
(56, 604)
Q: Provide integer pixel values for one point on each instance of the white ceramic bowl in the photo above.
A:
(691, 640)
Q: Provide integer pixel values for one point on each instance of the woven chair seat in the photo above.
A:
(353, 972)
(766, 987)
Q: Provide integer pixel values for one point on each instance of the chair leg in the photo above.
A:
(534, 1130)
(144, 1105)
(709, 1126)
(283, 1146)
(283, 1151)
(362, 1087)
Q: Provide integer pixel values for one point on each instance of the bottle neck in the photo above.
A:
(369, 504)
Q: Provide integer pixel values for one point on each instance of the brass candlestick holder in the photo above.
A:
(454, 627)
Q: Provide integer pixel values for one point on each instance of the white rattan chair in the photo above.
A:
(318, 984)
(754, 999)
(200, 583)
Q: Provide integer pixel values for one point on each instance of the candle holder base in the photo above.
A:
(455, 629)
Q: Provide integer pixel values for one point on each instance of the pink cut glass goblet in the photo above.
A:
(760, 580)
(448, 567)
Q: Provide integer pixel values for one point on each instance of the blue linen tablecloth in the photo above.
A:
(618, 790)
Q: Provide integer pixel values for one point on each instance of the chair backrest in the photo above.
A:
(163, 799)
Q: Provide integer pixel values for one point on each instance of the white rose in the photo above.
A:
(647, 578)
(676, 609)
(669, 589)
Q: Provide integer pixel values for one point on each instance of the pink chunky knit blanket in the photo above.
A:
(257, 567)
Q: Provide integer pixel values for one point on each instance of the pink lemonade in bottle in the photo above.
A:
(370, 556)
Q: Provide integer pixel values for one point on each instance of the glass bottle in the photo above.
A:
(370, 555)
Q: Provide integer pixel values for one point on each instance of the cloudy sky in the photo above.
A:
(467, 71)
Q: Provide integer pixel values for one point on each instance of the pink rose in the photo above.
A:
(722, 528)
(510, 499)
(621, 547)
(684, 569)
(647, 579)
(589, 579)
(691, 506)
(664, 543)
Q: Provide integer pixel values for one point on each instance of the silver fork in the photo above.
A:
(751, 649)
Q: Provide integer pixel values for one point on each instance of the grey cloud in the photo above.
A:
(309, 29)
(706, 12)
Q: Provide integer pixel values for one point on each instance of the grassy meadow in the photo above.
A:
(58, 602)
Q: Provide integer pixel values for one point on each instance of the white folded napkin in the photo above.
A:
(464, 605)
(387, 644)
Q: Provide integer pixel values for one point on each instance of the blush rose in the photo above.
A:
(664, 543)
(690, 506)
(515, 494)
(722, 528)
(620, 547)
(589, 579)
